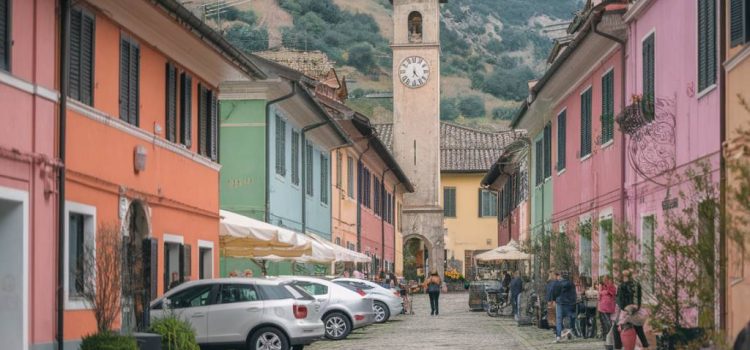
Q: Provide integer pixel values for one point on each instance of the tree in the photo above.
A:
(246, 38)
(362, 57)
(448, 110)
(471, 106)
(103, 265)
(511, 84)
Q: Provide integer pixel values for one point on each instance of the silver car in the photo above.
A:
(342, 309)
(245, 312)
(387, 302)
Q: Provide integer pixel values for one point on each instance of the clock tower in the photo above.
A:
(416, 120)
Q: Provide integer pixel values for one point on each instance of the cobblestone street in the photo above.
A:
(455, 328)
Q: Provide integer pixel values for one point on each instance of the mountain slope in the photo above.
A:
(490, 48)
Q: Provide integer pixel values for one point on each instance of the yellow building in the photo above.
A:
(737, 148)
(470, 212)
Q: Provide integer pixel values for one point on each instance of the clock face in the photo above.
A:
(414, 71)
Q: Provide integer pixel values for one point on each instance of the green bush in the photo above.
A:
(448, 110)
(472, 106)
(176, 333)
(108, 341)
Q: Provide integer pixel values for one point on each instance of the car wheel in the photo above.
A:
(382, 314)
(268, 338)
(337, 326)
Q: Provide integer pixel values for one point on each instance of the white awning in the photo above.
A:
(244, 237)
(510, 251)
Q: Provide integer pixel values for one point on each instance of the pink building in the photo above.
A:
(674, 59)
(28, 172)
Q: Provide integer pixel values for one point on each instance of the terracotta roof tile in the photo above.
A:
(463, 149)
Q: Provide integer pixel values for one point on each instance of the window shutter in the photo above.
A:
(133, 84)
(480, 203)
(86, 80)
(738, 22)
(295, 157)
(151, 268)
(171, 101)
(74, 71)
(586, 123)
(711, 53)
(124, 79)
(706, 43)
(4, 35)
(181, 262)
(186, 109)
(547, 150)
(561, 139)
(188, 261)
(214, 126)
(538, 165)
(648, 68)
(202, 120)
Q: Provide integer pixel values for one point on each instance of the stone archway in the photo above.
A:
(137, 282)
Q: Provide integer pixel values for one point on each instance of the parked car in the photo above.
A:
(387, 302)
(342, 309)
(246, 312)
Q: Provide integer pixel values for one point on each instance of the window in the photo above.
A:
(312, 288)
(449, 202)
(130, 61)
(177, 261)
(605, 246)
(309, 170)
(585, 246)
(706, 43)
(205, 260)
(192, 297)
(586, 123)
(539, 159)
(350, 176)
(80, 251)
(364, 186)
(338, 241)
(487, 203)
(324, 185)
(280, 146)
(81, 62)
(561, 140)
(295, 157)
(170, 121)
(547, 151)
(351, 246)
(648, 72)
(739, 22)
(273, 292)
(648, 226)
(608, 107)
(5, 34)
(207, 122)
(186, 105)
(237, 293)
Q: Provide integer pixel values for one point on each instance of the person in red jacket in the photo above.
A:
(607, 295)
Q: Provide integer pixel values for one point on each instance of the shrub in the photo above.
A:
(176, 333)
(448, 110)
(471, 106)
(108, 341)
(362, 57)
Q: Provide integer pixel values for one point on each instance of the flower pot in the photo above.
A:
(628, 337)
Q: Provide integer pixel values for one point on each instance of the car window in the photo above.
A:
(312, 288)
(237, 293)
(274, 292)
(360, 285)
(298, 293)
(194, 296)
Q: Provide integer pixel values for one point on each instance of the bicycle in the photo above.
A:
(496, 300)
(406, 301)
(585, 323)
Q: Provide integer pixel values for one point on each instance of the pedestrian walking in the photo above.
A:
(516, 287)
(629, 293)
(565, 296)
(432, 285)
(607, 295)
(549, 290)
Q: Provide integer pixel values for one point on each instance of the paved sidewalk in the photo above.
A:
(455, 328)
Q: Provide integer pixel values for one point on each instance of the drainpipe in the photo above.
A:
(360, 188)
(63, 105)
(303, 186)
(382, 217)
(267, 204)
(723, 170)
(623, 64)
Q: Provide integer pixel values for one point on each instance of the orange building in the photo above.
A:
(142, 147)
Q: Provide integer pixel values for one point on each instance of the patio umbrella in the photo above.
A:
(510, 251)
(244, 237)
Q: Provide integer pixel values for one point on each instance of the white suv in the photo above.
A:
(247, 312)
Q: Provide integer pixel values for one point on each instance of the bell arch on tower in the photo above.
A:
(415, 27)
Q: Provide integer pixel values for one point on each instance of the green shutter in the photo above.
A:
(186, 109)
(86, 80)
(480, 202)
(547, 150)
(295, 157)
(538, 168)
(648, 72)
(706, 43)
(202, 120)
(4, 34)
(607, 118)
(561, 140)
(281, 146)
(585, 123)
(738, 22)
(213, 124)
(124, 81)
(171, 102)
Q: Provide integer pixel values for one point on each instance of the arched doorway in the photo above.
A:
(416, 257)
(139, 274)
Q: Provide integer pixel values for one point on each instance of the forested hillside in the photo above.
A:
(490, 48)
